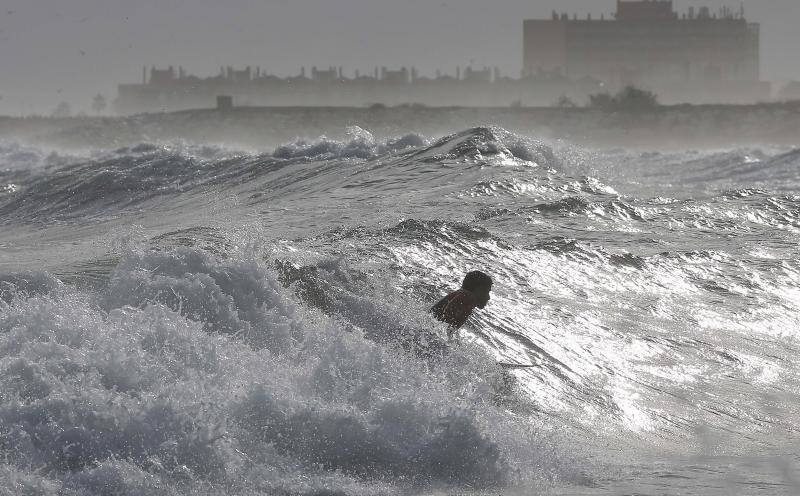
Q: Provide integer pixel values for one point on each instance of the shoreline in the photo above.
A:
(662, 127)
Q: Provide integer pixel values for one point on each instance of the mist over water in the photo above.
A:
(181, 318)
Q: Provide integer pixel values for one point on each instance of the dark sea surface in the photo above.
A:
(182, 318)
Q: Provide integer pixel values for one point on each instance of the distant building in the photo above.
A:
(696, 56)
(224, 102)
(173, 89)
(395, 77)
(790, 92)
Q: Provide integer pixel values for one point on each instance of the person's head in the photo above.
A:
(479, 284)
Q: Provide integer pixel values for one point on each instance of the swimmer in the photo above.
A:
(455, 308)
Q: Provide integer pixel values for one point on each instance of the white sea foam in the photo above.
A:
(361, 144)
(265, 333)
(203, 371)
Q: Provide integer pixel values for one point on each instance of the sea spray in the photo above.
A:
(198, 370)
(261, 332)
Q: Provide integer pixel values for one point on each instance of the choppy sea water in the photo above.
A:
(188, 319)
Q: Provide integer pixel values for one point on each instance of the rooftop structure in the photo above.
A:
(171, 89)
(645, 11)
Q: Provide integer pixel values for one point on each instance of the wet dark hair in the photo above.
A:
(476, 279)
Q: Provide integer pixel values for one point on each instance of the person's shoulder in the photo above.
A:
(462, 296)
(442, 303)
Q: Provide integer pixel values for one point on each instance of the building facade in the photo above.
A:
(173, 89)
(695, 57)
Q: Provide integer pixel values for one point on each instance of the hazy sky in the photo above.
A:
(54, 50)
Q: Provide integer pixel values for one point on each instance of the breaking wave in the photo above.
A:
(264, 329)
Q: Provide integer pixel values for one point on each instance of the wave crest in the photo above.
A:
(153, 390)
(362, 145)
(492, 145)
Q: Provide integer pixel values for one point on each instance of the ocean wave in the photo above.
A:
(26, 285)
(362, 145)
(490, 145)
(238, 297)
(769, 169)
(92, 188)
(110, 182)
(165, 386)
(17, 159)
